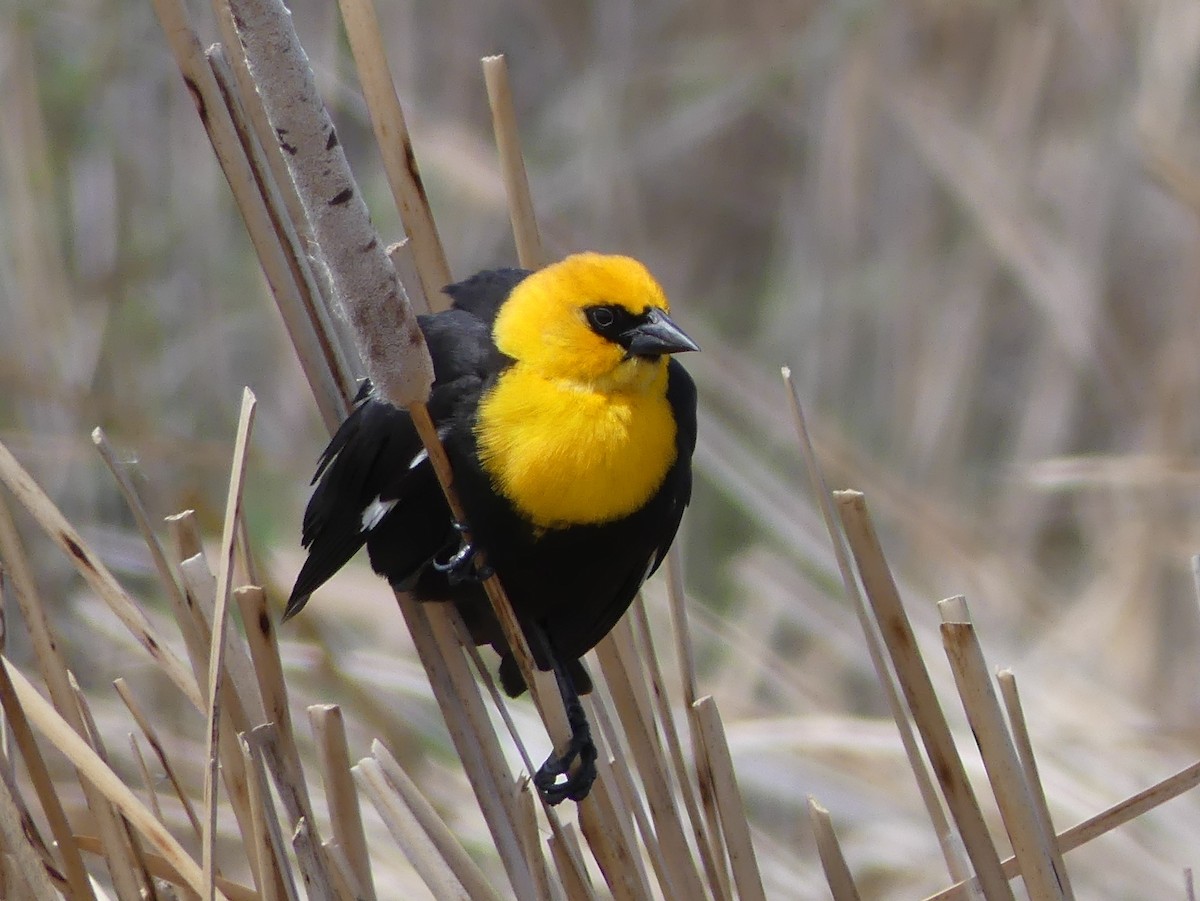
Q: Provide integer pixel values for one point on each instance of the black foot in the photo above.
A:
(575, 786)
(581, 750)
(463, 566)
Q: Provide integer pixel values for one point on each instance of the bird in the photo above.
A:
(569, 426)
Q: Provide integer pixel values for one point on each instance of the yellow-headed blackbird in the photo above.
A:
(570, 431)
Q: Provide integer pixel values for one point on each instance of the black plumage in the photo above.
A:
(573, 582)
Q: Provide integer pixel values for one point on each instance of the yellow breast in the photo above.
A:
(568, 453)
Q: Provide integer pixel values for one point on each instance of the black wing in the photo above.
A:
(374, 484)
(483, 293)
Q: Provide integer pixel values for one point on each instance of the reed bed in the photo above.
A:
(798, 786)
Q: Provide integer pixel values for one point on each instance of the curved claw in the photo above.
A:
(462, 565)
(576, 785)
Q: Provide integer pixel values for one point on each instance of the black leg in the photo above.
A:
(574, 785)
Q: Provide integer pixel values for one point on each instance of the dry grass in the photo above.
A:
(970, 229)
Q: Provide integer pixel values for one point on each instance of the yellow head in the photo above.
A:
(592, 319)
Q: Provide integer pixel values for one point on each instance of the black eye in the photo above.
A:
(601, 318)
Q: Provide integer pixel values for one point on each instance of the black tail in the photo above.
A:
(329, 552)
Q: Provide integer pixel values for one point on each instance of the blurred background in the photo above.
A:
(970, 229)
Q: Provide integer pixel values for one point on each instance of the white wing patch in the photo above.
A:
(378, 508)
(376, 511)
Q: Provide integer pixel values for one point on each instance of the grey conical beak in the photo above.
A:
(657, 335)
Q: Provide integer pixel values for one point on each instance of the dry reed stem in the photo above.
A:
(244, 702)
(462, 708)
(56, 729)
(1030, 846)
(58, 680)
(135, 748)
(395, 145)
(125, 851)
(643, 664)
(345, 884)
(684, 652)
(918, 689)
(1041, 809)
(160, 868)
(531, 842)
(156, 746)
(612, 844)
(300, 297)
(870, 630)
(714, 872)
(575, 886)
(216, 654)
(267, 668)
(498, 700)
(309, 305)
(316, 869)
(185, 538)
(512, 162)
(616, 762)
(485, 676)
(201, 585)
(191, 637)
(361, 276)
(266, 742)
(416, 844)
(833, 862)
(444, 841)
(639, 732)
(243, 556)
(625, 672)
(261, 146)
(265, 844)
(742, 861)
(572, 846)
(287, 276)
(29, 865)
(1095, 826)
(95, 573)
(677, 597)
(341, 796)
(46, 648)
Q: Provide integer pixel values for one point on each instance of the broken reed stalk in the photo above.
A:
(999, 756)
(1095, 826)
(1041, 809)
(216, 656)
(90, 766)
(345, 817)
(917, 686)
(512, 163)
(45, 645)
(833, 862)
(870, 629)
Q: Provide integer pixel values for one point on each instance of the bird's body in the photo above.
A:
(570, 432)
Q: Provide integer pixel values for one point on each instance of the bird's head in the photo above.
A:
(593, 319)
